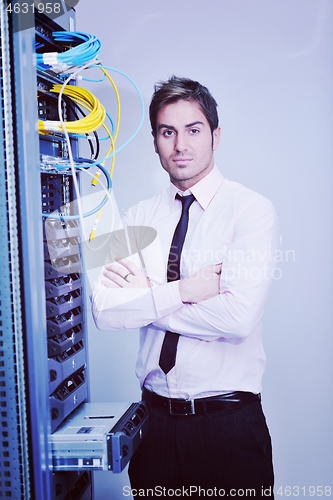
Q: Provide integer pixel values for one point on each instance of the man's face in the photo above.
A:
(183, 142)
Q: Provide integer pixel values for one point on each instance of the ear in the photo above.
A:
(155, 142)
(216, 138)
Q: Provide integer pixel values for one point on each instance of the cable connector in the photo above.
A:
(62, 68)
(94, 182)
(93, 231)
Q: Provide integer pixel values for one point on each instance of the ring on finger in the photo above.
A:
(126, 276)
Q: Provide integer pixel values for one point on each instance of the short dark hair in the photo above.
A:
(176, 89)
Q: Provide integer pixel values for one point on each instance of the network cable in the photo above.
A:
(87, 124)
(95, 180)
(75, 60)
(71, 91)
(112, 153)
(75, 109)
(56, 127)
(86, 48)
(142, 112)
(106, 188)
(69, 146)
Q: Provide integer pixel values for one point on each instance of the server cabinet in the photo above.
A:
(43, 341)
(42, 336)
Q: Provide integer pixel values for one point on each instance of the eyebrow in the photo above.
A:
(171, 127)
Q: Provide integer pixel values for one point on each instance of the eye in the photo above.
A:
(168, 133)
(194, 131)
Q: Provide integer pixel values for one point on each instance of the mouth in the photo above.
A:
(181, 160)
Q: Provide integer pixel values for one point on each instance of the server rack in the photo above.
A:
(43, 365)
(42, 335)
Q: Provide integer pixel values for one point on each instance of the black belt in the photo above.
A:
(171, 406)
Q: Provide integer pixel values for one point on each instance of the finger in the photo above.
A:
(116, 268)
(130, 266)
(109, 284)
(116, 278)
(119, 270)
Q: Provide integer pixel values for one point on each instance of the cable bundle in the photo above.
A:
(85, 49)
(68, 64)
(87, 124)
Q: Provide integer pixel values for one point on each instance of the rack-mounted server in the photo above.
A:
(43, 348)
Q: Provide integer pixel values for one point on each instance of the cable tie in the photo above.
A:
(50, 58)
(66, 69)
(60, 67)
(52, 126)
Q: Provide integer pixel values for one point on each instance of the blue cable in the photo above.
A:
(87, 49)
(82, 53)
(112, 126)
(142, 107)
(97, 81)
(139, 126)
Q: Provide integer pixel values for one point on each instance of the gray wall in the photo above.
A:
(267, 63)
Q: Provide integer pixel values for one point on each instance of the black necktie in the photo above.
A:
(169, 347)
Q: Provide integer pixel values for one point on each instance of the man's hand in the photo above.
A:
(124, 274)
(202, 285)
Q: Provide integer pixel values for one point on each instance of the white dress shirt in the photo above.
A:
(220, 346)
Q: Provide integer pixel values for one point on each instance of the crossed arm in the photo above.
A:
(202, 285)
(219, 301)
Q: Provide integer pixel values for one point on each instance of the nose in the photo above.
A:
(180, 143)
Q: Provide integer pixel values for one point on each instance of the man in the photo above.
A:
(198, 303)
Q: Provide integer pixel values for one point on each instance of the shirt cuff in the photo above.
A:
(167, 298)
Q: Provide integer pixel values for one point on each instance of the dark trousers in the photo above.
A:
(225, 453)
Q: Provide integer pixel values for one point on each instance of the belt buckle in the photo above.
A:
(192, 407)
(185, 414)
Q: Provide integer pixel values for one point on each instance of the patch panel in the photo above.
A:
(56, 193)
(60, 343)
(56, 229)
(67, 397)
(63, 303)
(60, 286)
(72, 485)
(62, 366)
(63, 265)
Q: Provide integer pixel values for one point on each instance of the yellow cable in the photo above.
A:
(118, 102)
(95, 180)
(112, 148)
(87, 124)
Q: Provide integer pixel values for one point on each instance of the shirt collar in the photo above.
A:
(204, 190)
